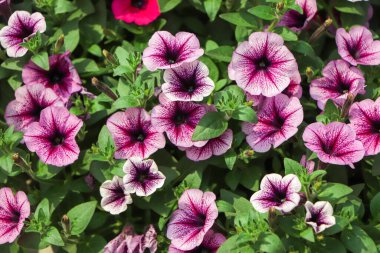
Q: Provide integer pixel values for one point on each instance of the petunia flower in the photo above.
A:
(53, 137)
(166, 51)
(194, 217)
(21, 27)
(133, 134)
(188, 82)
(339, 80)
(278, 120)
(309, 165)
(140, 12)
(5, 9)
(297, 21)
(62, 76)
(357, 46)
(30, 101)
(142, 177)
(115, 197)
(365, 120)
(262, 65)
(319, 215)
(334, 143)
(14, 209)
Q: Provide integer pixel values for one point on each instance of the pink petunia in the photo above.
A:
(115, 197)
(194, 217)
(334, 143)
(319, 215)
(14, 209)
(297, 21)
(140, 12)
(262, 65)
(53, 137)
(133, 134)
(166, 51)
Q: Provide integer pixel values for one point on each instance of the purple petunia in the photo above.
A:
(21, 27)
(334, 143)
(115, 197)
(53, 137)
(133, 134)
(319, 215)
(166, 51)
(262, 65)
(297, 21)
(142, 177)
(281, 193)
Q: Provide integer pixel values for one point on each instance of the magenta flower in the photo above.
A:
(188, 82)
(357, 46)
(339, 80)
(309, 165)
(134, 134)
(334, 143)
(297, 21)
(278, 120)
(262, 65)
(319, 215)
(194, 217)
(294, 89)
(14, 209)
(365, 121)
(62, 76)
(142, 177)
(281, 193)
(166, 51)
(115, 197)
(30, 101)
(53, 137)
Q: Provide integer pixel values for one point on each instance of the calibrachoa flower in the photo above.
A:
(297, 21)
(5, 9)
(140, 12)
(357, 46)
(30, 101)
(365, 120)
(133, 134)
(142, 177)
(53, 137)
(309, 165)
(339, 79)
(62, 76)
(278, 120)
(14, 209)
(319, 215)
(166, 51)
(188, 82)
(194, 217)
(281, 193)
(115, 197)
(334, 143)
(262, 65)
(21, 27)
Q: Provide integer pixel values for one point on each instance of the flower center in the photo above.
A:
(189, 86)
(58, 139)
(142, 176)
(298, 19)
(354, 52)
(139, 136)
(278, 122)
(327, 149)
(344, 87)
(55, 76)
(139, 4)
(280, 197)
(201, 218)
(171, 56)
(179, 119)
(314, 218)
(262, 63)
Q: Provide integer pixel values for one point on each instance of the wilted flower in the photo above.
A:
(309, 165)
(281, 193)
(133, 134)
(334, 143)
(53, 137)
(115, 197)
(5, 9)
(21, 27)
(140, 12)
(319, 215)
(166, 51)
(297, 21)
(194, 217)
(14, 209)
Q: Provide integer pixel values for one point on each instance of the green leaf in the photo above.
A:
(223, 53)
(375, 206)
(301, 47)
(350, 8)
(14, 63)
(333, 191)
(42, 60)
(64, 6)
(270, 242)
(308, 234)
(167, 5)
(356, 240)
(212, 125)
(230, 158)
(84, 65)
(53, 237)
(42, 213)
(293, 167)
(240, 19)
(263, 11)
(244, 113)
(286, 34)
(331, 113)
(376, 166)
(80, 216)
(316, 174)
(212, 7)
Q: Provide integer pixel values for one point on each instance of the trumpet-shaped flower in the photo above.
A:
(297, 21)
(115, 197)
(140, 12)
(319, 215)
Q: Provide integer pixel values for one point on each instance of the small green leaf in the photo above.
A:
(263, 11)
(230, 158)
(84, 65)
(357, 240)
(80, 216)
(223, 53)
(167, 5)
(375, 206)
(212, 7)
(333, 191)
(212, 125)
(42, 60)
(240, 19)
(293, 167)
(53, 237)
(244, 113)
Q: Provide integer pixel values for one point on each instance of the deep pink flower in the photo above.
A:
(365, 120)
(134, 134)
(142, 177)
(21, 27)
(339, 80)
(62, 76)
(319, 215)
(194, 217)
(357, 46)
(115, 197)
(334, 143)
(14, 209)
(188, 82)
(297, 21)
(53, 137)
(166, 51)
(281, 193)
(309, 165)
(30, 101)
(278, 120)
(262, 65)
(140, 12)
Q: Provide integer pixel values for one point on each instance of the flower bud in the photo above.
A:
(320, 30)
(102, 87)
(110, 58)
(66, 224)
(347, 105)
(59, 43)
(309, 74)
